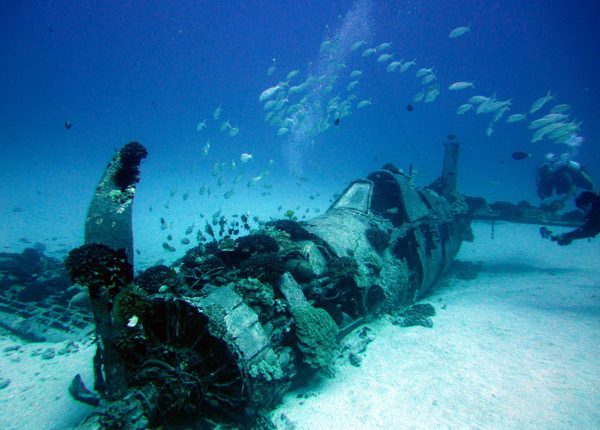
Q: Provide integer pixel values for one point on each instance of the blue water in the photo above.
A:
(150, 71)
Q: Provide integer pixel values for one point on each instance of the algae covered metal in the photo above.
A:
(223, 333)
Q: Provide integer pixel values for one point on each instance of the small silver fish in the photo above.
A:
(478, 99)
(383, 46)
(368, 52)
(516, 117)
(462, 109)
(539, 103)
(459, 31)
(269, 105)
(562, 108)
(201, 125)
(357, 45)
(217, 113)
(363, 104)
(352, 85)
(432, 94)
(268, 93)
(132, 322)
(384, 57)
(270, 70)
(423, 72)
(291, 75)
(419, 96)
(460, 86)
(500, 113)
(547, 119)
(206, 148)
(298, 88)
(407, 65)
(245, 157)
(393, 66)
(542, 132)
(428, 79)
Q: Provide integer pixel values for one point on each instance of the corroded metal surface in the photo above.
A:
(219, 336)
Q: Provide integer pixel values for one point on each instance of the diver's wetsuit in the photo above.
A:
(590, 228)
(562, 179)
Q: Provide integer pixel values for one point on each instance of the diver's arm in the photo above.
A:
(590, 229)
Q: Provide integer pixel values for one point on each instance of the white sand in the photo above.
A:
(516, 348)
(37, 396)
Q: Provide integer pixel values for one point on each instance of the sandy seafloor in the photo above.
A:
(518, 347)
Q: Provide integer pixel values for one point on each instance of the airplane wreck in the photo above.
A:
(218, 337)
(223, 333)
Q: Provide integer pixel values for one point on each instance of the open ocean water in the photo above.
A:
(153, 72)
(270, 108)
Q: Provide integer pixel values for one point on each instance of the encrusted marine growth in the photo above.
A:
(153, 278)
(108, 219)
(97, 266)
(253, 256)
(419, 314)
(316, 332)
(343, 269)
(259, 296)
(241, 320)
(32, 276)
(293, 228)
(257, 243)
(129, 303)
(266, 267)
(128, 171)
(378, 238)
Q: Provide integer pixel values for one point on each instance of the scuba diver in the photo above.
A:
(588, 202)
(561, 176)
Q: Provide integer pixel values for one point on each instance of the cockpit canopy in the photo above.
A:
(384, 193)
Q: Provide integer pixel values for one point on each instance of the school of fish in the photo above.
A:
(313, 101)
